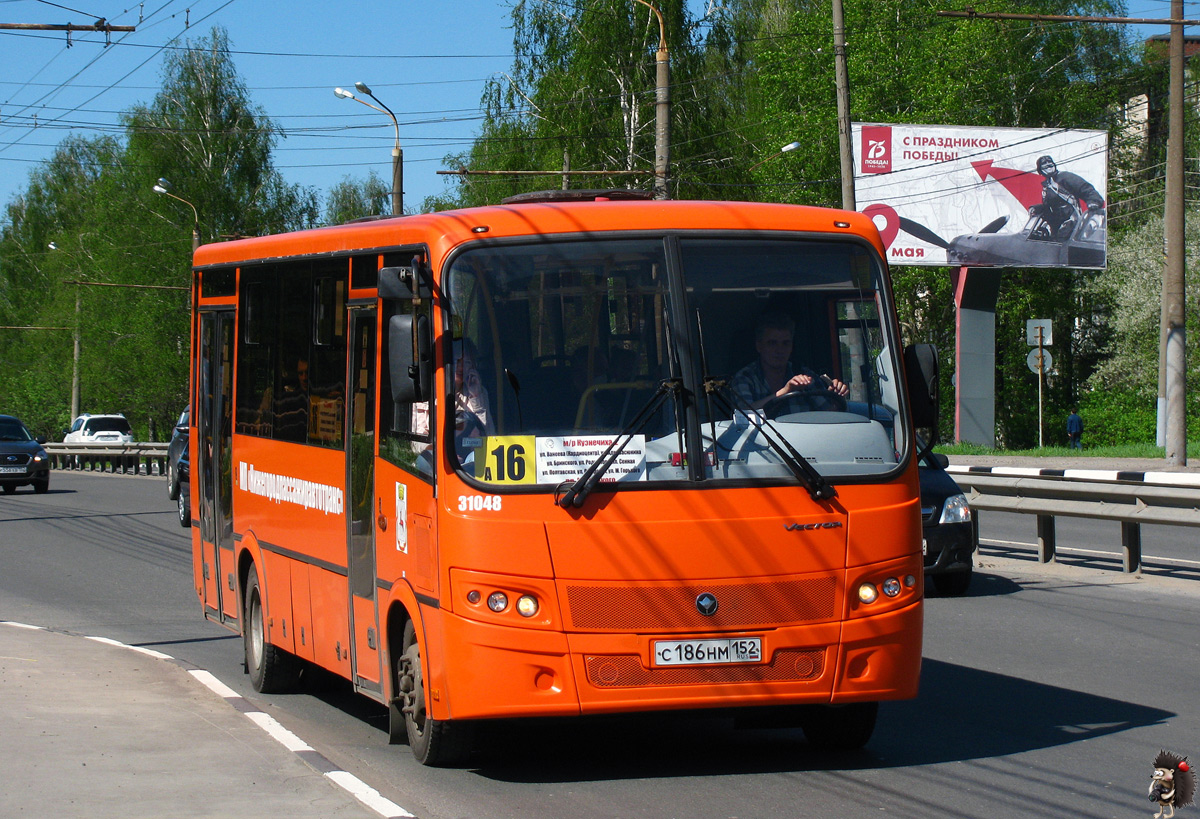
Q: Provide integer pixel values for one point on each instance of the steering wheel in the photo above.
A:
(804, 401)
(466, 423)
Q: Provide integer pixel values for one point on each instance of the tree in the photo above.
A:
(203, 133)
(94, 201)
(582, 92)
(351, 199)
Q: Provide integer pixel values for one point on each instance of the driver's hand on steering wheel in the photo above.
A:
(806, 383)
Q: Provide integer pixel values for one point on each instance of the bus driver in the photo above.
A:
(773, 375)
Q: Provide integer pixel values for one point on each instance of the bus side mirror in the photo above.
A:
(410, 358)
(403, 282)
(921, 377)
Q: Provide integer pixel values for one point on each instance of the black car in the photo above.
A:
(177, 447)
(23, 460)
(183, 492)
(949, 536)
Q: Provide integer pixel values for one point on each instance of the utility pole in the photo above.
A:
(1173, 289)
(842, 79)
(1172, 364)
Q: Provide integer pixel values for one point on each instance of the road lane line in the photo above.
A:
(147, 651)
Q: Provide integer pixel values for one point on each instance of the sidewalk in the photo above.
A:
(94, 730)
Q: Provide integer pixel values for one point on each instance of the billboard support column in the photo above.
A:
(975, 292)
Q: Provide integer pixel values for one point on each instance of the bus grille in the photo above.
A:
(626, 671)
(741, 605)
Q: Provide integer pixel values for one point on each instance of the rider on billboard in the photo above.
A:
(1062, 191)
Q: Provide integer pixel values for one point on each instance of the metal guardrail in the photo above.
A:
(129, 459)
(1131, 498)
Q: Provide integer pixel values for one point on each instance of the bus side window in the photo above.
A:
(256, 353)
(406, 429)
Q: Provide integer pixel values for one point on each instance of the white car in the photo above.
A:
(100, 429)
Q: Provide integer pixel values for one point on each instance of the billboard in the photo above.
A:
(984, 197)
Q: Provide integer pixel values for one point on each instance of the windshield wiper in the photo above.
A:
(576, 493)
(818, 487)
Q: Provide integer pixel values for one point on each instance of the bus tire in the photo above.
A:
(272, 670)
(435, 743)
(839, 727)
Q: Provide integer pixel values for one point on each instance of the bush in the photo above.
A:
(1113, 418)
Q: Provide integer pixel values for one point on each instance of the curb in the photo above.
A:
(1182, 479)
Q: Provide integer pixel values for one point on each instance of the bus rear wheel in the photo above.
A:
(433, 742)
(839, 727)
(272, 670)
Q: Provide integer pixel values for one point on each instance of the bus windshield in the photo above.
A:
(707, 358)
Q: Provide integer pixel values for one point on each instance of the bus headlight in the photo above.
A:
(527, 606)
(497, 601)
(891, 587)
(867, 593)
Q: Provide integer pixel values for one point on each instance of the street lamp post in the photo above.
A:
(164, 187)
(397, 153)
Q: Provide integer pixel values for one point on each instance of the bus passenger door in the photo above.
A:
(212, 467)
(360, 481)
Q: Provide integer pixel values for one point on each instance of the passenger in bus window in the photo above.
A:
(773, 375)
(292, 403)
(472, 410)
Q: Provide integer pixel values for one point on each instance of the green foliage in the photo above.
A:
(203, 126)
(1114, 417)
(1132, 289)
(925, 308)
(582, 93)
(908, 65)
(94, 201)
(350, 199)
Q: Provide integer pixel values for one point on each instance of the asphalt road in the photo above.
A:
(1046, 691)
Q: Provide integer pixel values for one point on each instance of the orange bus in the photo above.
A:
(509, 462)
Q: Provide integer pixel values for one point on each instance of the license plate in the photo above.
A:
(708, 652)
(12, 470)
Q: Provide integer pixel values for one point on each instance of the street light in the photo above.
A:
(397, 154)
(164, 187)
(791, 146)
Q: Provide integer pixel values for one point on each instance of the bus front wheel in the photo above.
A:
(839, 727)
(272, 670)
(433, 742)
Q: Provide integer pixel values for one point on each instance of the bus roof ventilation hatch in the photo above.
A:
(576, 196)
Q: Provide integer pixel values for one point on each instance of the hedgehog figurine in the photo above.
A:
(1172, 785)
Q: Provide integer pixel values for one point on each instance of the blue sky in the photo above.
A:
(427, 61)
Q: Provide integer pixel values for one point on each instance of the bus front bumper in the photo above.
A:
(502, 672)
